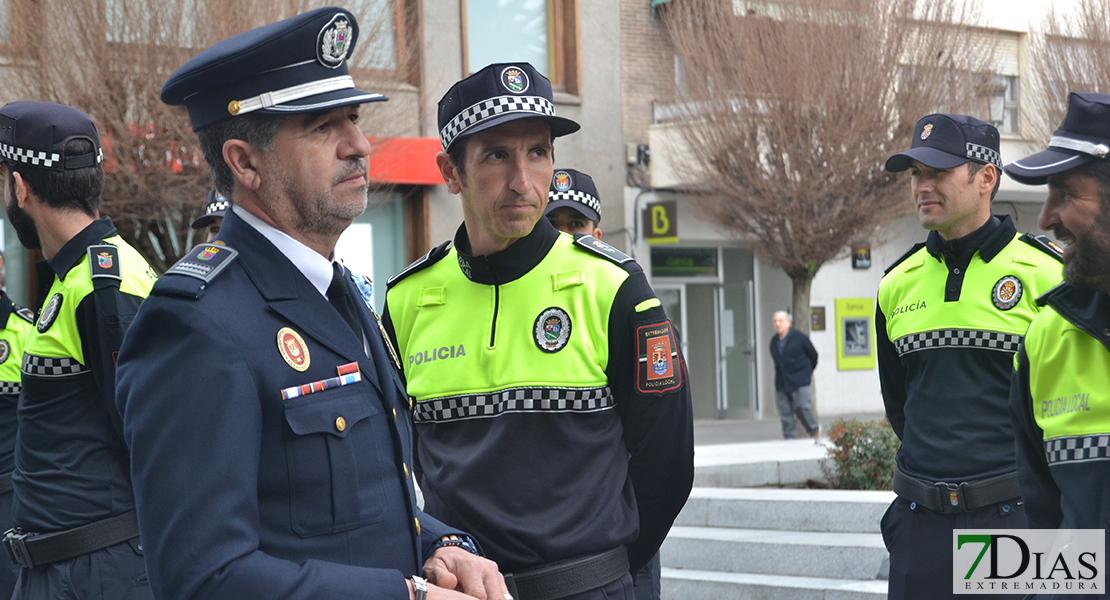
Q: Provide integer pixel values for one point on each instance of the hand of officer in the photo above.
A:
(455, 568)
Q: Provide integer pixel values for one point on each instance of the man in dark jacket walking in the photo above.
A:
(795, 358)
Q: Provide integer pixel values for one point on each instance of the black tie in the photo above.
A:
(341, 300)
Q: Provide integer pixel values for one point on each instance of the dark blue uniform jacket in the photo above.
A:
(795, 358)
(242, 494)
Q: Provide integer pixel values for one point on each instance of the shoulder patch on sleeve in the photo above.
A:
(658, 370)
(432, 257)
(902, 258)
(1044, 244)
(25, 313)
(600, 248)
(188, 276)
(104, 262)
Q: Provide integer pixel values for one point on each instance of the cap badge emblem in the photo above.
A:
(514, 79)
(1006, 292)
(561, 181)
(293, 349)
(334, 42)
(926, 131)
(551, 331)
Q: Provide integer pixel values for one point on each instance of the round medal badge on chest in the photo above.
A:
(1006, 292)
(551, 331)
(49, 313)
(5, 351)
(293, 349)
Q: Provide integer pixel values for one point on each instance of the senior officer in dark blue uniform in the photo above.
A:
(272, 445)
(950, 315)
(552, 403)
(76, 534)
(1060, 397)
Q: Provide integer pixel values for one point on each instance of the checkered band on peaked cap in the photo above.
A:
(498, 94)
(35, 133)
(1082, 137)
(214, 208)
(293, 66)
(576, 190)
(942, 141)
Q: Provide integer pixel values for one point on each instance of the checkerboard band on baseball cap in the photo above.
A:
(1082, 137)
(498, 94)
(214, 208)
(943, 141)
(35, 133)
(293, 66)
(576, 190)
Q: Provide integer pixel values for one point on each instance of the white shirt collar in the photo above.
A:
(310, 263)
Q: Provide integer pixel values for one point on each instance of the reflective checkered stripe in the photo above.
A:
(576, 196)
(1080, 448)
(529, 400)
(487, 109)
(49, 366)
(10, 387)
(983, 154)
(963, 338)
(37, 158)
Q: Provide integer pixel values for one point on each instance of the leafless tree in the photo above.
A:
(110, 58)
(790, 109)
(1070, 52)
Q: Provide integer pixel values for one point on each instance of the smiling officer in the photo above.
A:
(950, 315)
(272, 446)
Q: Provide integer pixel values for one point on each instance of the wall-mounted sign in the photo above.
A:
(861, 256)
(661, 222)
(684, 262)
(817, 318)
(854, 333)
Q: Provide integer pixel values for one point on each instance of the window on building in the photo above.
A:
(542, 32)
(172, 24)
(381, 37)
(1005, 112)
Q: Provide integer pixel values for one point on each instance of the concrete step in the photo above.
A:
(834, 511)
(683, 584)
(770, 552)
(777, 463)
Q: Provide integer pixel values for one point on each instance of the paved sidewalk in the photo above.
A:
(715, 432)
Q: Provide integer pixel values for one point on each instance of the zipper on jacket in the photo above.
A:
(493, 323)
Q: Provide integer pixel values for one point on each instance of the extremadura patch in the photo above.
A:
(658, 370)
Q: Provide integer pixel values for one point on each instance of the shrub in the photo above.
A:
(861, 456)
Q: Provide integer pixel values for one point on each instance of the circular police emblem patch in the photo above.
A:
(334, 42)
(561, 181)
(552, 330)
(5, 351)
(49, 313)
(927, 131)
(293, 349)
(514, 79)
(1006, 292)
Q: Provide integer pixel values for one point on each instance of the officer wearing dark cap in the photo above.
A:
(573, 204)
(1060, 398)
(75, 528)
(213, 216)
(272, 447)
(550, 397)
(950, 315)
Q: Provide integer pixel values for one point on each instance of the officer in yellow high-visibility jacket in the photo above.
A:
(950, 315)
(1060, 398)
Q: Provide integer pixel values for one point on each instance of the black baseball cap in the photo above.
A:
(943, 141)
(214, 208)
(1082, 137)
(576, 190)
(293, 66)
(498, 94)
(34, 134)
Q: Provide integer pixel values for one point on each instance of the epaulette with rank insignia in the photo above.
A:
(432, 257)
(600, 248)
(189, 276)
(902, 258)
(1043, 244)
(25, 313)
(104, 266)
